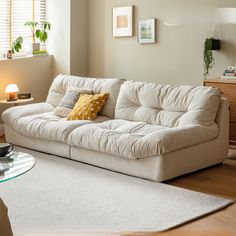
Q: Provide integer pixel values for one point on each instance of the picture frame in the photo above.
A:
(147, 31)
(123, 21)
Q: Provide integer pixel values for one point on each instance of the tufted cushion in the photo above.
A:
(167, 105)
(136, 140)
(62, 82)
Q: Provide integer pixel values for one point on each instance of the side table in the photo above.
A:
(17, 102)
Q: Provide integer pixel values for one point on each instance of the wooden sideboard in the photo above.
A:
(228, 90)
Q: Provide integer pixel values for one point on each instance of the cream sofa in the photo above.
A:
(147, 130)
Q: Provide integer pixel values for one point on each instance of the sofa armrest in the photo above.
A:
(11, 115)
(177, 138)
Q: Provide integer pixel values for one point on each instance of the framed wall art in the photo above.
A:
(147, 31)
(123, 21)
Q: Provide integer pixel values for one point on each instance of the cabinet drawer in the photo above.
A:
(232, 112)
(228, 90)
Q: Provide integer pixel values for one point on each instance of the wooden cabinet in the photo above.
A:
(228, 90)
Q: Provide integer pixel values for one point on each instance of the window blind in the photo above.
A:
(13, 15)
(4, 24)
(40, 10)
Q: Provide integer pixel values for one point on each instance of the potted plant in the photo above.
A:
(39, 31)
(17, 45)
(211, 44)
(208, 56)
(33, 25)
(42, 32)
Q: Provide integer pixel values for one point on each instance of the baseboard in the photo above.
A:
(2, 130)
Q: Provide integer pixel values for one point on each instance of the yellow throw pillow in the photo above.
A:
(88, 106)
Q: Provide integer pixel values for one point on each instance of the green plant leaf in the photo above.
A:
(17, 44)
(27, 23)
(20, 39)
(44, 36)
(208, 56)
(37, 33)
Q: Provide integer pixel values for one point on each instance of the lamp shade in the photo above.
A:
(11, 88)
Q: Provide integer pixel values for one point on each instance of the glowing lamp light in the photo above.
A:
(12, 89)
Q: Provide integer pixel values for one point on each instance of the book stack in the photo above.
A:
(229, 73)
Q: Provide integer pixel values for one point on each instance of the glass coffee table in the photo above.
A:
(15, 164)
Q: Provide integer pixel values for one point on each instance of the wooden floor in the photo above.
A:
(218, 180)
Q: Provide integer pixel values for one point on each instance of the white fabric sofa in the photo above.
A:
(147, 130)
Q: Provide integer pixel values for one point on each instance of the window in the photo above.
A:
(4, 25)
(13, 15)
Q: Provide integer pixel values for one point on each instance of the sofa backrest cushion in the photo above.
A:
(62, 82)
(167, 105)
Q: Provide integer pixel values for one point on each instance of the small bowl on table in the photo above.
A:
(5, 149)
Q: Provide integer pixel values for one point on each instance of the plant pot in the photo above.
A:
(215, 44)
(36, 46)
(9, 54)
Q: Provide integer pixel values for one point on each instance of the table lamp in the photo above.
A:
(12, 89)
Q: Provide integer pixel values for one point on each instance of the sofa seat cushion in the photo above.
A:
(136, 140)
(44, 125)
(50, 127)
(13, 114)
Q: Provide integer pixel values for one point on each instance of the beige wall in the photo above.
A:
(30, 74)
(68, 36)
(79, 38)
(177, 58)
(59, 36)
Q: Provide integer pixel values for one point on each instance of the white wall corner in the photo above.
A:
(2, 130)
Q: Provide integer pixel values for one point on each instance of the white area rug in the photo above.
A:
(62, 194)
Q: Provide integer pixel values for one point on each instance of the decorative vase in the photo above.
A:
(215, 44)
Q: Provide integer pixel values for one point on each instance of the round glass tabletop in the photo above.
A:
(15, 164)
